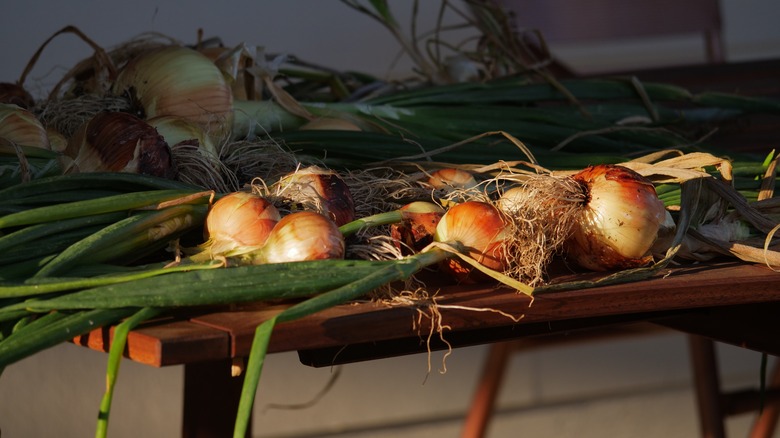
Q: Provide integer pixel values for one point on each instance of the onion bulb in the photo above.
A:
(119, 142)
(238, 223)
(452, 178)
(20, 126)
(179, 81)
(619, 221)
(301, 236)
(417, 227)
(481, 230)
(317, 189)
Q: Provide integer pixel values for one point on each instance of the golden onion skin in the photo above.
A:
(619, 221)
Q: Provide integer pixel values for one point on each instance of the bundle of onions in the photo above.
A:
(618, 222)
(481, 231)
(179, 81)
(301, 236)
(237, 223)
(119, 142)
(20, 126)
(317, 189)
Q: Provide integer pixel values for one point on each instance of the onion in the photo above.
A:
(481, 230)
(318, 189)
(619, 221)
(417, 227)
(238, 223)
(20, 126)
(178, 81)
(301, 236)
(119, 142)
(452, 178)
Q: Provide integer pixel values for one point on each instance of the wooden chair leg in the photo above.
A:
(484, 398)
(707, 386)
(211, 398)
(766, 422)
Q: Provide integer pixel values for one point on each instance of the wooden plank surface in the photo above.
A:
(464, 309)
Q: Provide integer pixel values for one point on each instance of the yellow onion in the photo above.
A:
(449, 178)
(179, 81)
(15, 94)
(417, 227)
(20, 126)
(301, 236)
(482, 230)
(238, 223)
(619, 221)
(318, 189)
(119, 142)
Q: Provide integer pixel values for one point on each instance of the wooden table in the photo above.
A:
(736, 303)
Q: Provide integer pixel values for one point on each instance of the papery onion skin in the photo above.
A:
(482, 229)
(239, 222)
(619, 221)
(302, 236)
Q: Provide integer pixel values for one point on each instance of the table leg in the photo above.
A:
(211, 396)
(706, 380)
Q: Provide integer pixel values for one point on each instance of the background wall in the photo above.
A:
(629, 388)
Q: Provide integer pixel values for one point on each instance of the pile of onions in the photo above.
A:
(618, 222)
